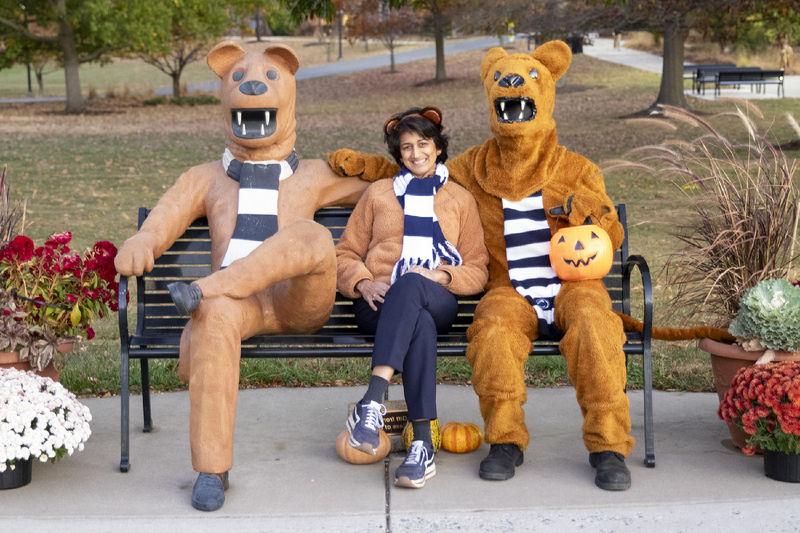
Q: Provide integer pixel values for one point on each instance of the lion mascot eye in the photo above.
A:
(534, 74)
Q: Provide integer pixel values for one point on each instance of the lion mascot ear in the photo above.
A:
(284, 54)
(492, 56)
(223, 56)
(555, 55)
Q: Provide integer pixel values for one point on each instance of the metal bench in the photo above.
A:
(711, 76)
(159, 326)
(757, 79)
(690, 71)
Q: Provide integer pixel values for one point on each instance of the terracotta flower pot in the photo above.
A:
(11, 360)
(726, 360)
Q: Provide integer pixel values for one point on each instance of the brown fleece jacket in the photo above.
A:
(373, 240)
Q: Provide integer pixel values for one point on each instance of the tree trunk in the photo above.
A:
(258, 28)
(391, 58)
(71, 63)
(438, 34)
(176, 84)
(671, 90)
(40, 80)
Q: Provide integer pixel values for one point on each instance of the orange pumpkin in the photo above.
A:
(357, 457)
(458, 437)
(581, 252)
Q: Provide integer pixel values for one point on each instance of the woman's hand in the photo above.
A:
(372, 291)
(439, 276)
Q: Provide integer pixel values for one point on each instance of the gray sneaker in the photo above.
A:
(364, 425)
(417, 468)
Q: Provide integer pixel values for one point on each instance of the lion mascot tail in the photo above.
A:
(678, 334)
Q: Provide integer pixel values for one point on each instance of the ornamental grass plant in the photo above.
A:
(50, 294)
(764, 401)
(744, 201)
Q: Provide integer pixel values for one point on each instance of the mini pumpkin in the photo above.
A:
(459, 437)
(581, 252)
(436, 435)
(357, 457)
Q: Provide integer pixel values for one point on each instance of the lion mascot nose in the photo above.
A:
(512, 80)
(253, 88)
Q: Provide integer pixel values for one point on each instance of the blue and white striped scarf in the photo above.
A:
(527, 237)
(424, 243)
(257, 210)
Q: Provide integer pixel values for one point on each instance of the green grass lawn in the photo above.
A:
(89, 173)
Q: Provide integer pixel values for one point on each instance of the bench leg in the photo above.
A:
(148, 421)
(124, 396)
(649, 439)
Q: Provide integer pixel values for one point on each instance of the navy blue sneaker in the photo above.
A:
(364, 425)
(208, 493)
(417, 468)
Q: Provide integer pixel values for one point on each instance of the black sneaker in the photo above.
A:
(612, 473)
(364, 425)
(417, 468)
(500, 463)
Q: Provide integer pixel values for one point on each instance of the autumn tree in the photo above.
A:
(377, 19)
(181, 32)
(80, 31)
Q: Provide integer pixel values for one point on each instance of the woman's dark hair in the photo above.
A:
(426, 122)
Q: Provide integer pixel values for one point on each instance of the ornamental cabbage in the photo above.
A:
(770, 314)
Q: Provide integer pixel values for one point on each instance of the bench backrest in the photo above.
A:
(189, 258)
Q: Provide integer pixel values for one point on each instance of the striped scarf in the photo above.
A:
(423, 241)
(528, 253)
(257, 212)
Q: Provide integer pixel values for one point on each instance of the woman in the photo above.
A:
(412, 243)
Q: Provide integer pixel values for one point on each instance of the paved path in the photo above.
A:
(604, 49)
(288, 478)
(325, 69)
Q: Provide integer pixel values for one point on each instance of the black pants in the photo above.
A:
(415, 309)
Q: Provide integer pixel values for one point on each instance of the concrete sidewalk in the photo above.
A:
(287, 476)
(604, 49)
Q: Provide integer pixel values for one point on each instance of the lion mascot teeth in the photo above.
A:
(273, 267)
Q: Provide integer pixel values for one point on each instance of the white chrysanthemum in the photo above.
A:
(39, 418)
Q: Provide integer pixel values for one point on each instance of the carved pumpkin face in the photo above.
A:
(581, 252)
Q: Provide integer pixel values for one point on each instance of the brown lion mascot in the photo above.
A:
(527, 186)
(274, 268)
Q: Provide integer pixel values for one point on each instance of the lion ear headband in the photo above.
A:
(431, 113)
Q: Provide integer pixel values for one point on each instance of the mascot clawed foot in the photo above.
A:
(273, 269)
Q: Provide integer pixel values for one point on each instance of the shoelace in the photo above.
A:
(414, 456)
(373, 417)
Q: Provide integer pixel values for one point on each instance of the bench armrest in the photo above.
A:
(647, 285)
(123, 310)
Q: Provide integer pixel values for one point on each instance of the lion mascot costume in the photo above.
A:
(527, 186)
(273, 267)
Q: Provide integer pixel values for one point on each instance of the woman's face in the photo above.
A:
(418, 153)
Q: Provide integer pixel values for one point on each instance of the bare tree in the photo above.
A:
(376, 18)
